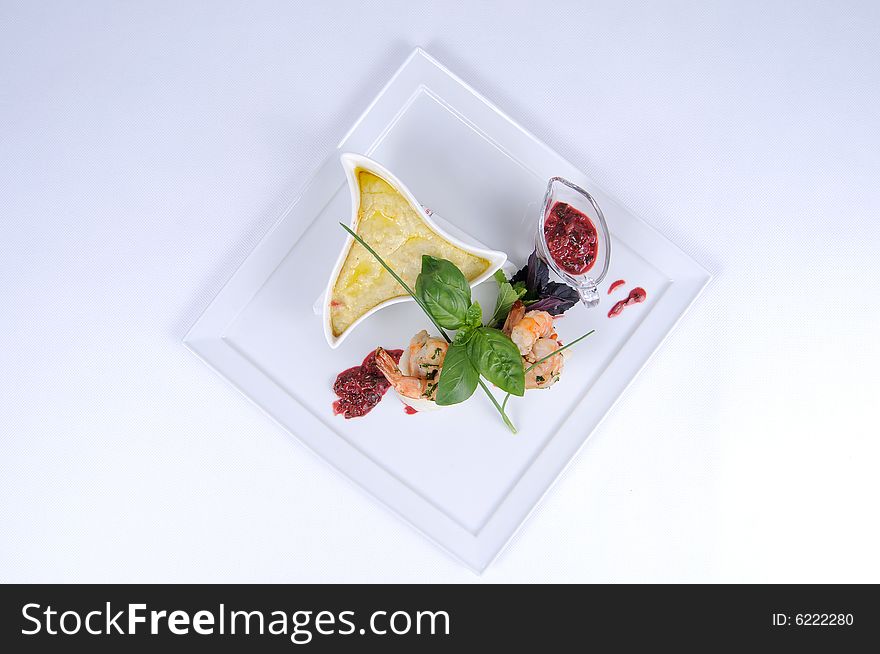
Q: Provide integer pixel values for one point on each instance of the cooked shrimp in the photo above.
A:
(516, 313)
(406, 385)
(534, 325)
(547, 372)
(533, 333)
(426, 355)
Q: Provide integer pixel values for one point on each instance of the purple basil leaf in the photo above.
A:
(535, 274)
(520, 275)
(541, 293)
(556, 299)
(538, 275)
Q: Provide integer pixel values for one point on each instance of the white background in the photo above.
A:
(146, 147)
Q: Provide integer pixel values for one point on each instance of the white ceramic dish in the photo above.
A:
(456, 475)
(351, 163)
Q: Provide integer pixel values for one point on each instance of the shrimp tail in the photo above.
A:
(412, 387)
(386, 365)
(516, 313)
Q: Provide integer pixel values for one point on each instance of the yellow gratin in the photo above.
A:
(396, 230)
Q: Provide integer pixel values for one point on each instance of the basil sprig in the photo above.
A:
(444, 291)
(473, 321)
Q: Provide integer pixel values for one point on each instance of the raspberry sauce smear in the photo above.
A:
(571, 237)
(636, 296)
(360, 388)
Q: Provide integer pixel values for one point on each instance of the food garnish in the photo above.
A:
(507, 296)
(538, 292)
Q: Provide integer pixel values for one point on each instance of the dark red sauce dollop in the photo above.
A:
(614, 285)
(360, 388)
(636, 295)
(571, 238)
(408, 410)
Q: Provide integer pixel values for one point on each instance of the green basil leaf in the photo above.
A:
(458, 377)
(463, 335)
(474, 316)
(473, 319)
(445, 292)
(496, 358)
(506, 297)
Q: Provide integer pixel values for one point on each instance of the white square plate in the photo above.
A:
(457, 475)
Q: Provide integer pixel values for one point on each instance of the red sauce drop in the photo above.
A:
(408, 410)
(614, 285)
(636, 295)
(571, 238)
(361, 387)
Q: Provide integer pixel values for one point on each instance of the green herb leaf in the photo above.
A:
(496, 358)
(507, 295)
(463, 336)
(445, 292)
(473, 320)
(458, 378)
(474, 316)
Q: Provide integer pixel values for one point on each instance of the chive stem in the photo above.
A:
(500, 407)
(552, 354)
(397, 277)
(543, 359)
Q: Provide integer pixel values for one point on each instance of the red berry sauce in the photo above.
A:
(571, 238)
(636, 295)
(614, 285)
(360, 388)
